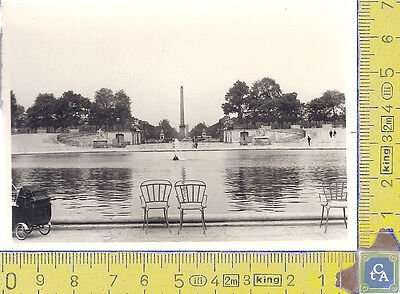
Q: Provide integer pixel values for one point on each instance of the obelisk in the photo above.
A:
(182, 127)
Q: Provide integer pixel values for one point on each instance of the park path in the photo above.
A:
(47, 143)
(36, 143)
(241, 231)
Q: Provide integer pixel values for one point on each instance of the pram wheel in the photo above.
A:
(29, 229)
(44, 229)
(21, 231)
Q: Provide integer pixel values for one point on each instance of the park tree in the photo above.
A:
(110, 111)
(101, 112)
(42, 112)
(149, 132)
(169, 131)
(262, 104)
(72, 110)
(316, 110)
(342, 114)
(302, 113)
(236, 100)
(18, 115)
(288, 108)
(335, 102)
(197, 130)
(328, 108)
(122, 109)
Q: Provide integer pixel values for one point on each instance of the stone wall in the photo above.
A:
(131, 138)
(265, 135)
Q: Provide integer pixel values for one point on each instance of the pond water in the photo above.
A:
(105, 186)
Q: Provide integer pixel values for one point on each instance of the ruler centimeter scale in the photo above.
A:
(379, 110)
(132, 272)
(280, 272)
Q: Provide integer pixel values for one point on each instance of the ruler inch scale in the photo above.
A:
(171, 272)
(379, 77)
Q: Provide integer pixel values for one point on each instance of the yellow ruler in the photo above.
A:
(281, 272)
(379, 117)
(129, 272)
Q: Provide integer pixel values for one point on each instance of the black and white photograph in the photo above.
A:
(191, 122)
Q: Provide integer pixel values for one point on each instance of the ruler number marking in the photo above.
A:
(179, 283)
(383, 214)
(11, 281)
(40, 280)
(114, 278)
(387, 108)
(290, 280)
(144, 280)
(387, 138)
(322, 277)
(74, 281)
(387, 183)
(388, 73)
(246, 280)
(215, 281)
(385, 4)
(387, 39)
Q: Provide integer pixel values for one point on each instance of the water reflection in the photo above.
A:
(281, 181)
(183, 173)
(262, 188)
(104, 191)
(93, 186)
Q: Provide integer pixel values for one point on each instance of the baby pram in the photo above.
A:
(31, 210)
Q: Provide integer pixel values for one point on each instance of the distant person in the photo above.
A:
(309, 140)
(175, 157)
(330, 133)
(196, 145)
(334, 133)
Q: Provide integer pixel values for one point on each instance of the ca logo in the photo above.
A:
(378, 273)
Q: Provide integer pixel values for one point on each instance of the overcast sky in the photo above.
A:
(150, 48)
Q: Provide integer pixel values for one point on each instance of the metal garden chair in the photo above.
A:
(334, 196)
(155, 195)
(191, 195)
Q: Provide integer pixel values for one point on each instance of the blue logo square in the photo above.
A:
(379, 272)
